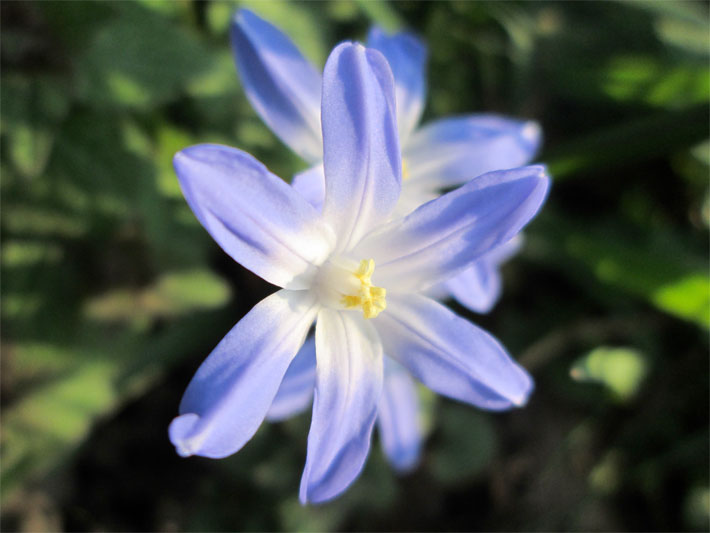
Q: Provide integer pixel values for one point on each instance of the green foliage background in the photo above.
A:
(112, 293)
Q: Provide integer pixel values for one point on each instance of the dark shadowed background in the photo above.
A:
(112, 293)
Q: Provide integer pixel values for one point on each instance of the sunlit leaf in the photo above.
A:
(646, 79)
(42, 428)
(655, 268)
(621, 370)
(382, 14)
(170, 140)
(173, 294)
(688, 297)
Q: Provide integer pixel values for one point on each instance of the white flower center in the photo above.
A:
(344, 284)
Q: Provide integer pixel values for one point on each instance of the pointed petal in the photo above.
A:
(477, 287)
(504, 252)
(446, 235)
(228, 397)
(450, 355)
(451, 151)
(281, 84)
(361, 148)
(253, 215)
(398, 417)
(296, 391)
(311, 185)
(407, 56)
(348, 386)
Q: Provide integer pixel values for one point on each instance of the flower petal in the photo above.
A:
(445, 236)
(360, 144)
(281, 84)
(504, 252)
(452, 151)
(311, 185)
(407, 56)
(477, 287)
(450, 355)
(296, 391)
(398, 417)
(231, 392)
(253, 215)
(348, 386)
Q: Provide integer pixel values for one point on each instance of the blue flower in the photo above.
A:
(352, 269)
(284, 88)
(398, 419)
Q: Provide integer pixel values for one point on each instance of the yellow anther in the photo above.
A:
(405, 170)
(371, 299)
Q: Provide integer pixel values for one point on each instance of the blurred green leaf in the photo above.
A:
(296, 517)
(464, 444)
(382, 14)
(23, 253)
(220, 79)
(656, 268)
(682, 24)
(644, 138)
(140, 60)
(91, 155)
(32, 111)
(649, 80)
(170, 140)
(621, 370)
(76, 23)
(174, 293)
(42, 221)
(42, 428)
(173, 8)
(68, 387)
(688, 297)
(606, 476)
(697, 508)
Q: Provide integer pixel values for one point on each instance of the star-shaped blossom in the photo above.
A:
(284, 88)
(352, 269)
(398, 418)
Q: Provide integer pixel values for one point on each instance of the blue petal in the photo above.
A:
(348, 387)
(311, 185)
(253, 215)
(360, 144)
(398, 417)
(451, 151)
(450, 355)
(228, 397)
(281, 84)
(407, 56)
(296, 391)
(446, 235)
(504, 252)
(477, 287)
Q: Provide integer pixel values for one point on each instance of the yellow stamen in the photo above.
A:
(405, 170)
(371, 299)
